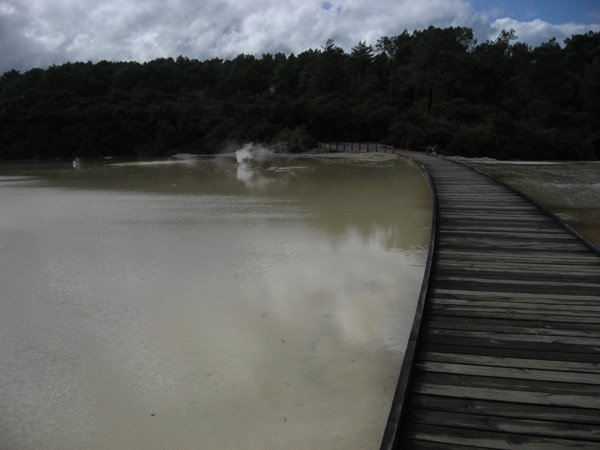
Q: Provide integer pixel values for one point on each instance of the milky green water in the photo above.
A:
(206, 304)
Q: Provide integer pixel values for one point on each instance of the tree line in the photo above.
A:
(433, 87)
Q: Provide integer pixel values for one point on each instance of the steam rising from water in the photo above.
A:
(244, 156)
(250, 151)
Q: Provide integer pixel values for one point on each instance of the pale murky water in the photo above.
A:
(204, 304)
(569, 189)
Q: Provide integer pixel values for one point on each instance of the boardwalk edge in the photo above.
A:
(398, 407)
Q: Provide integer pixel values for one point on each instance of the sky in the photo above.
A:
(39, 33)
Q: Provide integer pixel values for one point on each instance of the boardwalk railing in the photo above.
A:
(356, 147)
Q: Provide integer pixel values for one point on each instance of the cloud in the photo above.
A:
(38, 33)
(44, 32)
(537, 31)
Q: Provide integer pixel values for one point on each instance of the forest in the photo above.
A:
(433, 88)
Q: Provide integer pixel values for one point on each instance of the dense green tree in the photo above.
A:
(362, 79)
(439, 62)
(431, 87)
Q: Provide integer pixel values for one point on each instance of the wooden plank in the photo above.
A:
(503, 352)
(549, 233)
(506, 409)
(511, 297)
(504, 372)
(407, 444)
(531, 255)
(537, 289)
(518, 385)
(542, 257)
(509, 314)
(505, 228)
(548, 281)
(443, 323)
(504, 424)
(521, 338)
(489, 440)
(525, 273)
(504, 237)
(587, 308)
(563, 366)
(562, 269)
(557, 399)
(507, 343)
(443, 292)
(491, 323)
(488, 245)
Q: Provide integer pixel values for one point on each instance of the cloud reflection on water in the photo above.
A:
(181, 291)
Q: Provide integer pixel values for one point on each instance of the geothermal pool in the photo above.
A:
(206, 303)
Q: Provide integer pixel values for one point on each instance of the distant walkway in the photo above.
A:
(355, 147)
(505, 349)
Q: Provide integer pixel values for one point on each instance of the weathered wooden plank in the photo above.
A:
(522, 297)
(513, 384)
(460, 279)
(503, 237)
(541, 257)
(486, 212)
(490, 323)
(492, 361)
(504, 372)
(590, 285)
(509, 314)
(521, 338)
(506, 409)
(539, 288)
(524, 274)
(593, 309)
(508, 266)
(489, 440)
(444, 292)
(547, 232)
(407, 444)
(508, 343)
(506, 228)
(504, 424)
(493, 259)
(442, 323)
(550, 232)
(505, 352)
(491, 220)
(516, 396)
(487, 245)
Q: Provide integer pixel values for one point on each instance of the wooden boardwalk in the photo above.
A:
(505, 348)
